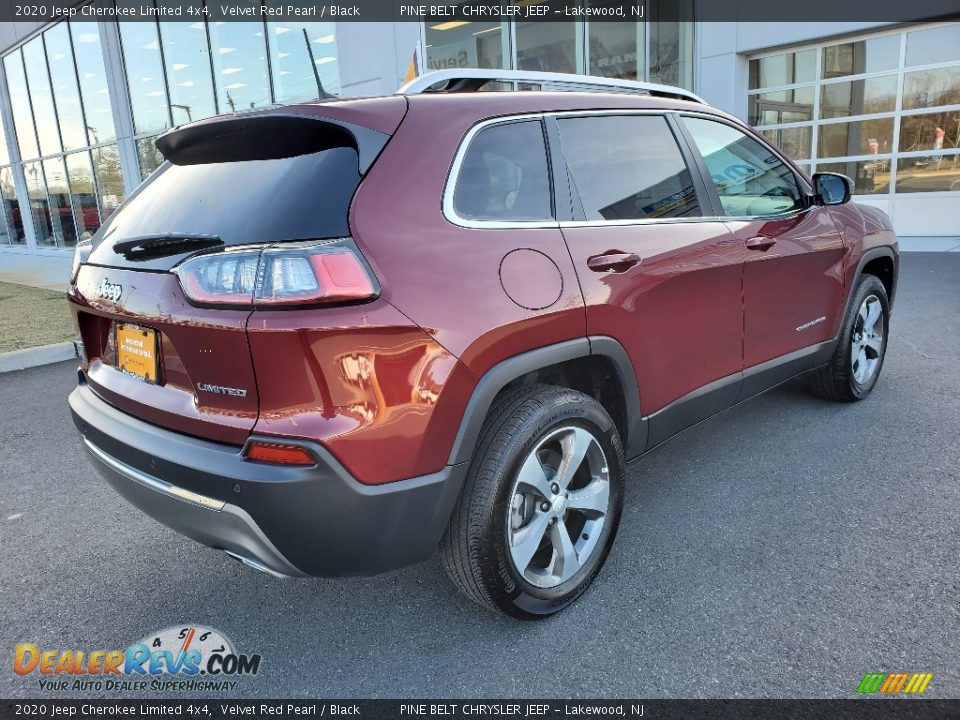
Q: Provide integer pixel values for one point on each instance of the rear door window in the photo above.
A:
(504, 175)
(627, 167)
(750, 179)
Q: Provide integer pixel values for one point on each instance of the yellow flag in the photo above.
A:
(413, 69)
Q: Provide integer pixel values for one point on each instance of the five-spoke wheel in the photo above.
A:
(866, 348)
(558, 506)
(858, 356)
(541, 503)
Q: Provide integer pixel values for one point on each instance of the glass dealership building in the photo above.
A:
(82, 101)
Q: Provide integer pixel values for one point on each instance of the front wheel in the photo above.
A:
(855, 366)
(541, 504)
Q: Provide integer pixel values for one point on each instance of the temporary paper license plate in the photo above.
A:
(137, 351)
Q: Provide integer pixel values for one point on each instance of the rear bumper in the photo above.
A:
(316, 521)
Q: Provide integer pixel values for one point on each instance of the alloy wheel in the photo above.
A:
(558, 507)
(866, 347)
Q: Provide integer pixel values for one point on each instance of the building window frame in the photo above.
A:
(17, 163)
(897, 115)
(265, 27)
(508, 34)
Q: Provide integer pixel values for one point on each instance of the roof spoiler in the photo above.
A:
(267, 136)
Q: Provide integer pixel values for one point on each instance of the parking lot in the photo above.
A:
(783, 549)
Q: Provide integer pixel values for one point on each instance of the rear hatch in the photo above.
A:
(230, 190)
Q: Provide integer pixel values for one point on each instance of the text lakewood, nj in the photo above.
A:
(521, 12)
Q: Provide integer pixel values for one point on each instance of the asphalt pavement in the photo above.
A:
(782, 549)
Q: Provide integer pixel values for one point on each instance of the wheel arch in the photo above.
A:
(881, 263)
(598, 366)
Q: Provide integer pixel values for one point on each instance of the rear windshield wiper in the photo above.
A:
(158, 246)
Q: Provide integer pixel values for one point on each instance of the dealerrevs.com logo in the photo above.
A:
(187, 657)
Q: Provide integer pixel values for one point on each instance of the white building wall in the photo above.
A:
(374, 56)
(722, 49)
(721, 78)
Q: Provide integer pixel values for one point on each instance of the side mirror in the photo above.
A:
(832, 188)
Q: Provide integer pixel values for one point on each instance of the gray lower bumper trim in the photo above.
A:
(132, 473)
(207, 520)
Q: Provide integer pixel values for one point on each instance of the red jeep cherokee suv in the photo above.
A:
(328, 338)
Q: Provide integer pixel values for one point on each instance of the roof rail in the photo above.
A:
(472, 79)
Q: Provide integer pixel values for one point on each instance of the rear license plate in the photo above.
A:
(137, 351)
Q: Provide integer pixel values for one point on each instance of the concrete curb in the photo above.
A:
(36, 356)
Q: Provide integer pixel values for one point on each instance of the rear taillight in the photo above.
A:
(226, 278)
(332, 272)
(288, 274)
(278, 453)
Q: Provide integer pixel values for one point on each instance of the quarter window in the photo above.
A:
(504, 175)
(627, 167)
(750, 179)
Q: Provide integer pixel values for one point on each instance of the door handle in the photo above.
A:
(761, 243)
(613, 261)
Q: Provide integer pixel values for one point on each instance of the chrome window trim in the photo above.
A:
(754, 134)
(449, 211)
(764, 218)
(639, 221)
(451, 215)
(683, 220)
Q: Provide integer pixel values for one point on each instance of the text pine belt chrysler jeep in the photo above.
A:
(330, 338)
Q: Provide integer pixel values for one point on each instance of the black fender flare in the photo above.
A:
(508, 370)
(872, 254)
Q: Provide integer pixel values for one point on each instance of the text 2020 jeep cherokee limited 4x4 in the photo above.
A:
(328, 338)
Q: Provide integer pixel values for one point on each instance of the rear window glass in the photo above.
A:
(504, 175)
(627, 168)
(250, 201)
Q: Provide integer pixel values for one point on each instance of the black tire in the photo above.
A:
(838, 380)
(476, 548)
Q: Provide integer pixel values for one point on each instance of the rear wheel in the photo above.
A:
(855, 366)
(541, 504)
